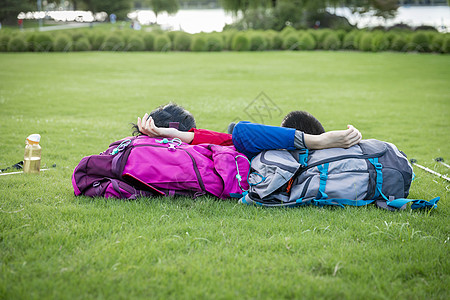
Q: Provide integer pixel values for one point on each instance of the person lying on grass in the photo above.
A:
(299, 130)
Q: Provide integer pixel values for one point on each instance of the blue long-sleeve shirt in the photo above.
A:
(252, 138)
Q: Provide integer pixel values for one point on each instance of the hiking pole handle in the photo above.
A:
(441, 161)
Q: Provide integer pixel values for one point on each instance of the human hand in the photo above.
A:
(147, 126)
(342, 138)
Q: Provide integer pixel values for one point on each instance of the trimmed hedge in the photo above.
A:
(114, 42)
(135, 43)
(240, 42)
(214, 42)
(199, 44)
(82, 44)
(331, 42)
(182, 41)
(17, 44)
(291, 41)
(307, 42)
(162, 43)
(63, 43)
(287, 39)
(258, 42)
(43, 42)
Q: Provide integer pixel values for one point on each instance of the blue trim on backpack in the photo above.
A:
(303, 158)
(323, 181)
(379, 181)
(416, 204)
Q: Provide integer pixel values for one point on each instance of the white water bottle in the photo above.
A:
(32, 157)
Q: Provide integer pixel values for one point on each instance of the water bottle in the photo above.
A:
(32, 157)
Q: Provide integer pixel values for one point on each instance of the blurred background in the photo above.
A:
(194, 16)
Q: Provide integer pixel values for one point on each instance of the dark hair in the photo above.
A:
(170, 113)
(303, 121)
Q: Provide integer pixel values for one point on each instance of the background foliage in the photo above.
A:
(107, 38)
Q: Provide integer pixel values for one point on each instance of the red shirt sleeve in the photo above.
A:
(204, 136)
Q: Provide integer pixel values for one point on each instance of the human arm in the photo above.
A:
(147, 126)
(252, 138)
(194, 136)
(333, 139)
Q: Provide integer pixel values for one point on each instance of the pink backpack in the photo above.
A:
(144, 166)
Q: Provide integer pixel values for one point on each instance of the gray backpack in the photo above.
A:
(370, 172)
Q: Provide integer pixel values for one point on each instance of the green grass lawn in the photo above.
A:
(54, 245)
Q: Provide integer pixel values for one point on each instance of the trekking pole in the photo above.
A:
(414, 162)
(441, 161)
(20, 172)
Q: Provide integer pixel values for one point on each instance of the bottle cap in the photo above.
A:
(34, 139)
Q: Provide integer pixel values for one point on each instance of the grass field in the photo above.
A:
(56, 246)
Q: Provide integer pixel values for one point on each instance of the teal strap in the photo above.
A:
(323, 169)
(253, 184)
(379, 182)
(416, 204)
(326, 202)
(236, 195)
(352, 202)
(303, 158)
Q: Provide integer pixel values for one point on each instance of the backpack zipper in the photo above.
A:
(362, 156)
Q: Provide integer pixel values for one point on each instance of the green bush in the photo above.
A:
(365, 43)
(380, 42)
(82, 44)
(113, 42)
(390, 36)
(322, 35)
(214, 42)
(77, 34)
(399, 43)
(291, 42)
(349, 41)
(182, 41)
(29, 40)
(149, 41)
(419, 42)
(288, 30)
(437, 42)
(135, 43)
(199, 43)
(17, 44)
(258, 42)
(162, 43)
(277, 41)
(240, 42)
(96, 40)
(307, 42)
(42, 42)
(331, 42)
(63, 43)
(4, 39)
(228, 37)
(341, 34)
(172, 35)
(446, 44)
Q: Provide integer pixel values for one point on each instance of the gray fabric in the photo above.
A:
(299, 140)
(350, 175)
(347, 179)
(277, 168)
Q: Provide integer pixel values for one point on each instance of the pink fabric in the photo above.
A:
(163, 168)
